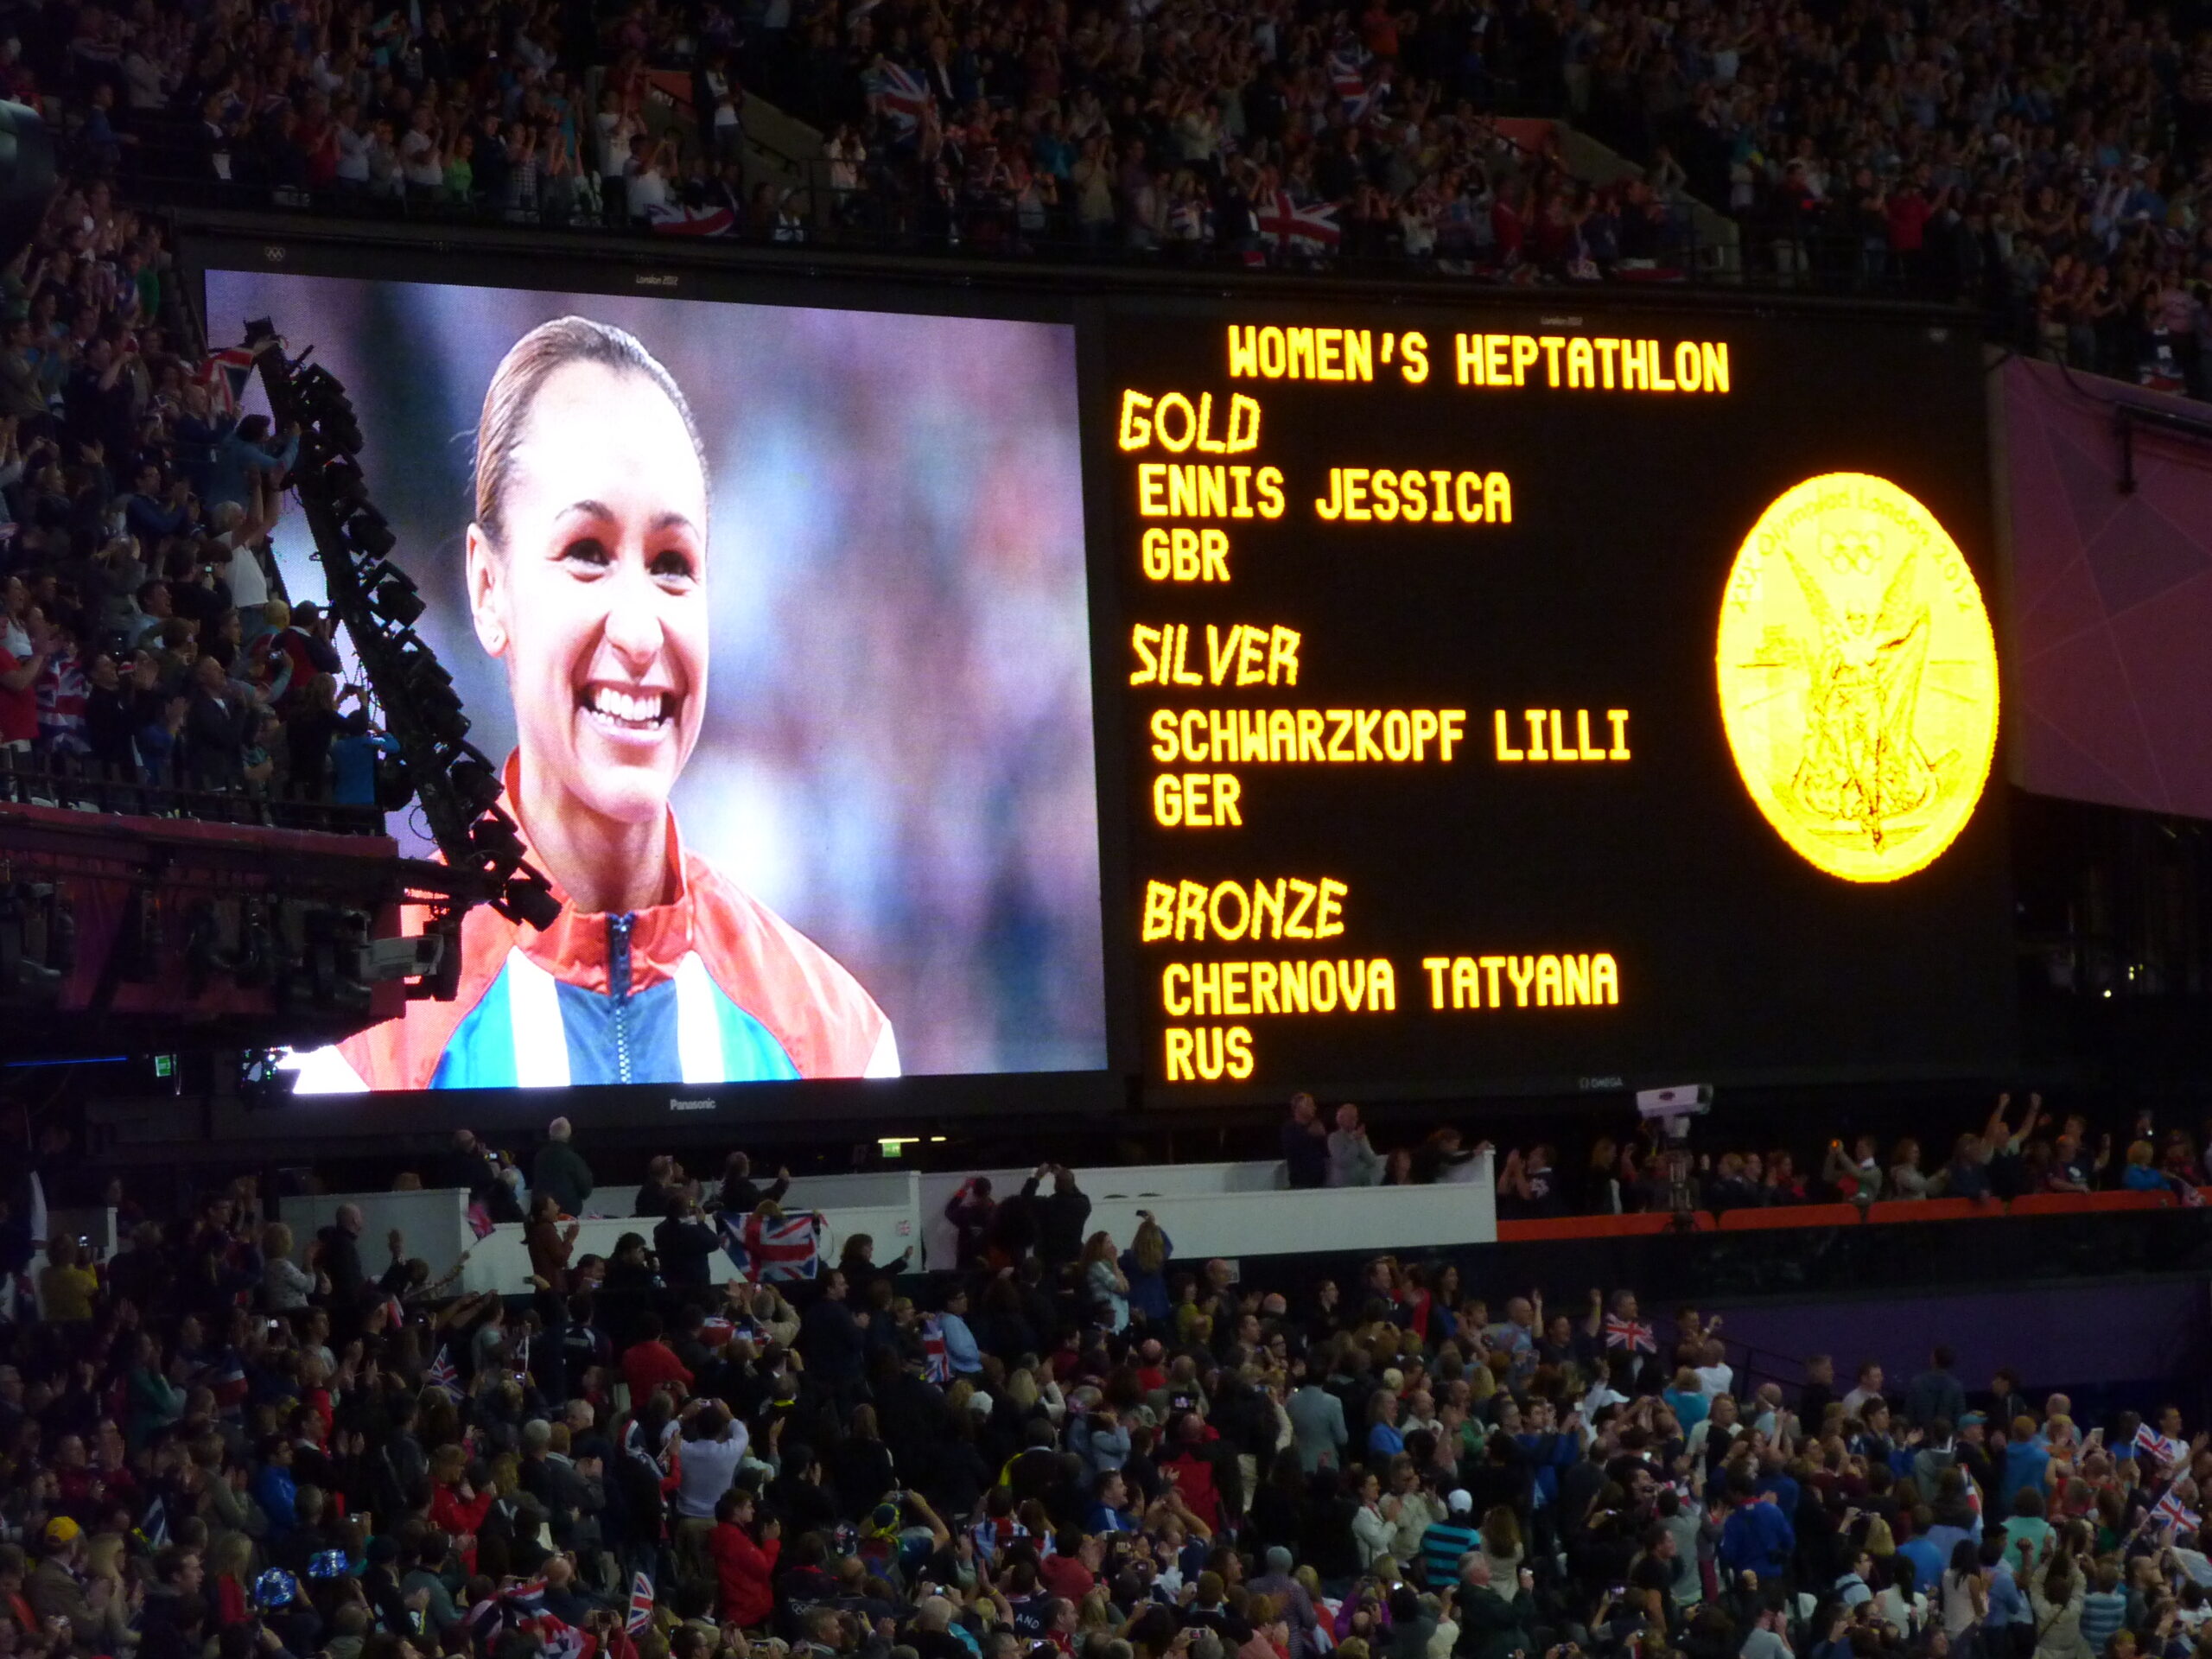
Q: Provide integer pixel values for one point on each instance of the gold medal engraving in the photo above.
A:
(1858, 677)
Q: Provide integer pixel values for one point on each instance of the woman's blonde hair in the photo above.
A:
(1148, 1250)
(275, 1239)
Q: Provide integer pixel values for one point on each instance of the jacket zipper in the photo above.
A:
(617, 987)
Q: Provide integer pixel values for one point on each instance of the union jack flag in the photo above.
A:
(2171, 1511)
(1366, 101)
(899, 94)
(224, 373)
(1345, 79)
(676, 219)
(442, 1375)
(1283, 221)
(2158, 1447)
(522, 1607)
(641, 1604)
(937, 1359)
(1631, 1334)
(773, 1251)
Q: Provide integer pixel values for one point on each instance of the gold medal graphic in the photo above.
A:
(1858, 677)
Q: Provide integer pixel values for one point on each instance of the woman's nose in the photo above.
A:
(633, 619)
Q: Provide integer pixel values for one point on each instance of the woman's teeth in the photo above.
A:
(635, 712)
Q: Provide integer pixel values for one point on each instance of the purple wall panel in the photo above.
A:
(2111, 601)
(2078, 1334)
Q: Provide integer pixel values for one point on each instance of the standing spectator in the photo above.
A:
(1305, 1144)
(559, 1171)
(1936, 1392)
(971, 1210)
(1353, 1160)
(1060, 1214)
(742, 1195)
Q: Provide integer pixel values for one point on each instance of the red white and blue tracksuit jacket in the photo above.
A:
(710, 987)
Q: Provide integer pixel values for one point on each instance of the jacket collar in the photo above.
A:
(576, 949)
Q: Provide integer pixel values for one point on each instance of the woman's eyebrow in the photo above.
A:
(667, 519)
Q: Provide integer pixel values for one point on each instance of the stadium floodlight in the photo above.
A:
(370, 533)
(394, 598)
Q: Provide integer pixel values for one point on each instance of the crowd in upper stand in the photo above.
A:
(2048, 162)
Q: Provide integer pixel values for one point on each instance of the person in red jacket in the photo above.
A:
(650, 1363)
(457, 1508)
(742, 1566)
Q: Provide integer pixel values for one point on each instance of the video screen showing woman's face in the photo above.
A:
(797, 593)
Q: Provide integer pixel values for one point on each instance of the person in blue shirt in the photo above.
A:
(353, 761)
(2027, 1463)
(1774, 1478)
(1384, 1440)
(2141, 1175)
(1757, 1537)
(1926, 1560)
(1688, 1400)
(273, 1488)
(960, 1350)
(1110, 1512)
(244, 450)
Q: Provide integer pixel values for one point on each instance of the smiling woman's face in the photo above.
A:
(597, 601)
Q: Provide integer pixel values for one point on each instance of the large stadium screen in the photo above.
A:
(1524, 699)
(777, 617)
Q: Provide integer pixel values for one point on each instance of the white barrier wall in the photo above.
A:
(1232, 1210)
(436, 1223)
(434, 1220)
(1246, 1209)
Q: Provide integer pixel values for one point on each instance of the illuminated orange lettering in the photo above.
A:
(1207, 442)
(1151, 489)
(1158, 911)
(1178, 1055)
(1581, 364)
(1489, 966)
(1190, 908)
(1186, 423)
(1328, 909)
(1547, 981)
(1522, 971)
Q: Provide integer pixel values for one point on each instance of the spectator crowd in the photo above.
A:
(2009, 1156)
(231, 1441)
(2048, 163)
(142, 638)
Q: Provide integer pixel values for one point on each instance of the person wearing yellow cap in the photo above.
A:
(55, 1588)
